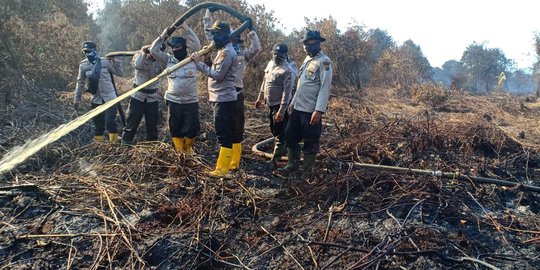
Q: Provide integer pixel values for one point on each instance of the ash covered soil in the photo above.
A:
(84, 205)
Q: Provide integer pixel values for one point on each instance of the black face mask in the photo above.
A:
(278, 59)
(221, 40)
(312, 49)
(180, 54)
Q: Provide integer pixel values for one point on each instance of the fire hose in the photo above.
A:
(453, 176)
(20, 153)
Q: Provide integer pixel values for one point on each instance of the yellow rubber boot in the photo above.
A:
(99, 138)
(178, 144)
(236, 155)
(188, 146)
(223, 163)
(113, 137)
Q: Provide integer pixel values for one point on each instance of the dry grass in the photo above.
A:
(140, 207)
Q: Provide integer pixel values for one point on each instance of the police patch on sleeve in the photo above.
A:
(326, 65)
(222, 56)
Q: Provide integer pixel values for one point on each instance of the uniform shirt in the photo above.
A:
(222, 75)
(182, 83)
(294, 70)
(314, 82)
(244, 56)
(145, 69)
(106, 90)
(277, 85)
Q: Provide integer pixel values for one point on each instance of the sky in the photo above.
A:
(442, 29)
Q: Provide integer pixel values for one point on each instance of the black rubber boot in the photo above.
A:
(293, 163)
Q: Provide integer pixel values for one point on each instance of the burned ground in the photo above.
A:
(97, 206)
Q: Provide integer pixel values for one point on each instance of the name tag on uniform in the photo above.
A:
(312, 68)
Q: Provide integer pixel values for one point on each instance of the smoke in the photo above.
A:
(112, 37)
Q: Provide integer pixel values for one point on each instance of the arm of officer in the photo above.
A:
(207, 23)
(79, 88)
(161, 57)
(260, 97)
(287, 90)
(138, 60)
(222, 64)
(325, 72)
(193, 41)
(255, 45)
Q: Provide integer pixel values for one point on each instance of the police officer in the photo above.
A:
(98, 71)
(245, 55)
(182, 91)
(145, 101)
(308, 105)
(222, 92)
(276, 91)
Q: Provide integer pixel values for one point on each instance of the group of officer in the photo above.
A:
(293, 117)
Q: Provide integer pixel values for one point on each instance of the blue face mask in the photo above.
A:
(92, 56)
(221, 40)
(313, 49)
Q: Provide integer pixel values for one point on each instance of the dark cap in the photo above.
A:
(177, 41)
(88, 46)
(220, 27)
(313, 35)
(281, 49)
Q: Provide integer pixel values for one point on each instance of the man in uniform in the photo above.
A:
(245, 55)
(99, 72)
(145, 101)
(308, 105)
(182, 92)
(222, 92)
(276, 91)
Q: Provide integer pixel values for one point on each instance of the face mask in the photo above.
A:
(221, 40)
(236, 48)
(180, 54)
(312, 49)
(92, 56)
(278, 59)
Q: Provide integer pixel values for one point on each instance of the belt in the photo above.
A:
(149, 91)
(146, 91)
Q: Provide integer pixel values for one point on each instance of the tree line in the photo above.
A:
(40, 47)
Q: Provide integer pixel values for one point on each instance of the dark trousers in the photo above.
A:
(224, 123)
(278, 129)
(298, 129)
(184, 119)
(239, 118)
(105, 119)
(138, 109)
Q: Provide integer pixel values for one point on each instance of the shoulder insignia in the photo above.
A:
(222, 56)
(326, 65)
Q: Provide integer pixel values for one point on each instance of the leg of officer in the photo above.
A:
(99, 124)
(239, 121)
(135, 114)
(151, 117)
